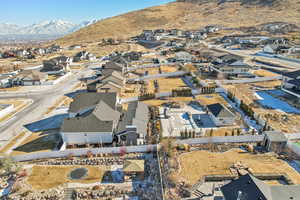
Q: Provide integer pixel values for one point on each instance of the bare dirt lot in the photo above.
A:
(195, 165)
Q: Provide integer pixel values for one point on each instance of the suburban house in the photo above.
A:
(276, 49)
(291, 83)
(249, 187)
(112, 82)
(133, 127)
(28, 78)
(226, 66)
(21, 53)
(4, 81)
(58, 65)
(84, 55)
(221, 115)
(183, 56)
(110, 66)
(93, 119)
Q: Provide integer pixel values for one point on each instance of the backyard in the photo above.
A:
(58, 175)
(194, 165)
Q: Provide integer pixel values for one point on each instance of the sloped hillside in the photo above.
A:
(190, 14)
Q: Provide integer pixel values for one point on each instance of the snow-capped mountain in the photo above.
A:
(7, 28)
(53, 27)
(83, 24)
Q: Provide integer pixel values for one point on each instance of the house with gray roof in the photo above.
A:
(93, 119)
(85, 102)
(57, 65)
(112, 82)
(133, 127)
(248, 187)
(230, 66)
(29, 77)
(221, 115)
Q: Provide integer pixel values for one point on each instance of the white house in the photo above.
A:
(220, 115)
(94, 118)
(98, 127)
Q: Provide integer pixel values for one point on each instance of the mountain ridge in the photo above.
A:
(188, 15)
(49, 27)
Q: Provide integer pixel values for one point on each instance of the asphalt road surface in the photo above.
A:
(41, 102)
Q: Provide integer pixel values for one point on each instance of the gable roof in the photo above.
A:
(293, 74)
(219, 111)
(295, 82)
(86, 124)
(31, 75)
(113, 65)
(108, 84)
(248, 187)
(134, 166)
(86, 100)
(239, 63)
(105, 113)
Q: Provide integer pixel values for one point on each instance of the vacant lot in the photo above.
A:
(211, 99)
(195, 165)
(57, 175)
(264, 73)
(168, 84)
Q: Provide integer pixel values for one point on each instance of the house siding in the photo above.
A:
(86, 138)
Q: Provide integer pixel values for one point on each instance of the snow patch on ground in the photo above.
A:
(271, 102)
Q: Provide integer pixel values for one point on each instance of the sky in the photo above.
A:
(26, 12)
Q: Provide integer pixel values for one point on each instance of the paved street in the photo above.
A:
(41, 102)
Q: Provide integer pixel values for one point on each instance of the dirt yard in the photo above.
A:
(57, 175)
(168, 84)
(195, 165)
(211, 99)
(264, 73)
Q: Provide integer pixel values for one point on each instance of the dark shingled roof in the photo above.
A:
(101, 119)
(293, 74)
(295, 82)
(86, 100)
(89, 123)
(248, 187)
(220, 111)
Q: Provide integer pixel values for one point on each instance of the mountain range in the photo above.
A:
(191, 15)
(52, 27)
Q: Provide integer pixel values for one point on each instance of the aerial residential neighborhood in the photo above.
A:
(186, 99)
